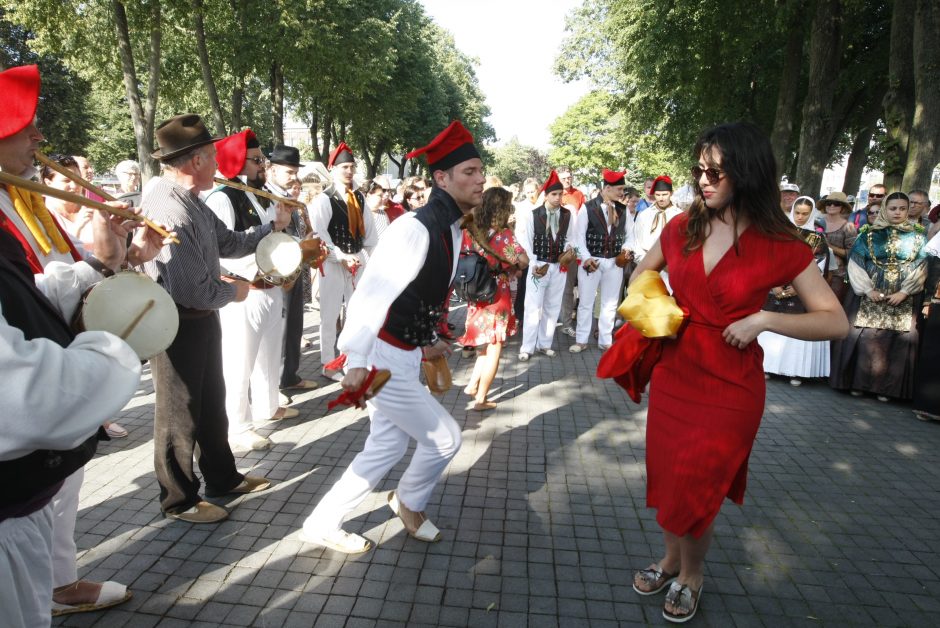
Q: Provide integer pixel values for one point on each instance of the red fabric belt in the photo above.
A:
(395, 342)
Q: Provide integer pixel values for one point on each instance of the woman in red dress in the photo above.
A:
(490, 324)
(707, 391)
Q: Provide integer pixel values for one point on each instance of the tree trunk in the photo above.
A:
(277, 101)
(327, 136)
(142, 111)
(214, 104)
(789, 88)
(816, 132)
(861, 145)
(924, 147)
(238, 97)
(398, 164)
(898, 100)
(315, 132)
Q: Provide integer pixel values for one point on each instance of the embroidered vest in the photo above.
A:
(413, 316)
(339, 224)
(546, 248)
(246, 216)
(599, 241)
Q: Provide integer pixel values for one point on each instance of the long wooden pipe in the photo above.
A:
(74, 176)
(78, 199)
(262, 193)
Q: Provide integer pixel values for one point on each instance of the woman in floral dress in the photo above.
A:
(490, 324)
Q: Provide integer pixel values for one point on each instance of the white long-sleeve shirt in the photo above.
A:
(394, 264)
(581, 226)
(525, 234)
(221, 206)
(644, 235)
(321, 212)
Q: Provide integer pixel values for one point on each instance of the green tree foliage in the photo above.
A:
(514, 162)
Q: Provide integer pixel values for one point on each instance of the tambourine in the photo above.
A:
(134, 307)
(279, 258)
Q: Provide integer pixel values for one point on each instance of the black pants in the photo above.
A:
(190, 412)
(293, 331)
(519, 304)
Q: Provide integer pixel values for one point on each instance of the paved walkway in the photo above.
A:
(543, 518)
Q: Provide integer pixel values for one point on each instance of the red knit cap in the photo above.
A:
(20, 89)
(340, 155)
(552, 183)
(612, 177)
(231, 152)
(452, 146)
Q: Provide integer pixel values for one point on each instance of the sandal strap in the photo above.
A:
(682, 597)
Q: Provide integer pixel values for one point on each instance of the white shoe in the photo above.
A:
(548, 352)
(796, 382)
(249, 440)
(883, 399)
(576, 348)
(568, 330)
(336, 376)
(524, 357)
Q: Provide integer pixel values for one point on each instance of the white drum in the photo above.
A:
(279, 258)
(133, 306)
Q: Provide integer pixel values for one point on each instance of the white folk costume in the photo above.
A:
(252, 330)
(601, 232)
(789, 356)
(651, 222)
(545, 234)
(346, 227)
(393, 313)
(65, 385)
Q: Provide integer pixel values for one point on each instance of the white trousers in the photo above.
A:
(608, 277)
(402, 411)
(252, 342)
(26, 568)
(64, 513)
(542, 303)
(336, 287)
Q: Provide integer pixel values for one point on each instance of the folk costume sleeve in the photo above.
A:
(524, 234)
(320, 215)
(579, 227)
(396, 261)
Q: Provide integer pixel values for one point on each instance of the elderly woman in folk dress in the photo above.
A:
(887, 269)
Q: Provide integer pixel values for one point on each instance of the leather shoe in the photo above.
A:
(304, 384)
(249, 440)
(285, 413)
(251, 484)
(202, 512)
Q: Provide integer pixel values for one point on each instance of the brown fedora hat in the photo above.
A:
(180, 135)
(837, 197)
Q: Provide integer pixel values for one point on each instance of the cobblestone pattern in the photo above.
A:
(543, 516)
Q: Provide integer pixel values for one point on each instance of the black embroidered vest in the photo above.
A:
(27, 309)
(246, 216)
(414, 315)
(601, 242)
(545, 248)
(339, 225)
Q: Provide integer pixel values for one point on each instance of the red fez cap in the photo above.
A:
(452, 146)
(341, 154)
(552, 183)
(20, 89)
(231, 152)
(662, 183)
(612, 177)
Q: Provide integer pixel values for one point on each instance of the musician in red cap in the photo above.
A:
(346, 227)
(649, 224)
(390, 324)
(253, 329)
(601, 229)
(547, 234)
(66, 387)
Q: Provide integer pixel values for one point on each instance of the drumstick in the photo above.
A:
(261, 193)
(78, 199)
(130, 328)
(74, 176)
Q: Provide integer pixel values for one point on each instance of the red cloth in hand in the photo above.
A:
(630, 361)
(354, 398)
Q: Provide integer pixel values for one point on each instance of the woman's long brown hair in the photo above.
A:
(747, 160)
(492, 213)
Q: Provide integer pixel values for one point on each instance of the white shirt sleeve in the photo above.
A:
(64, 284)
(371, 238)
(580, 234)
(395, 262)
(55, 397)
(321, 212)
(524, 228)
(933, 247)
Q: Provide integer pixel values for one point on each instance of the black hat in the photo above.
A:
(285, 156)
(181, 134)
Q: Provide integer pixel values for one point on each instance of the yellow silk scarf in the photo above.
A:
(356, 225)
(649, 307)
(32, 210)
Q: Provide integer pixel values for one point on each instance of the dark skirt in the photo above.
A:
(878, 361)
(927, 377)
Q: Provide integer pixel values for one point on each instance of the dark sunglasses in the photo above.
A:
(873, 195)
(714, 175)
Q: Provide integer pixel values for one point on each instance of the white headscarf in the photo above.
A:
(810, 223)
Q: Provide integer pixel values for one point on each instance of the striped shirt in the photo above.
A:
(190, 271)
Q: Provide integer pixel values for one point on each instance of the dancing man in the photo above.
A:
(390, 325)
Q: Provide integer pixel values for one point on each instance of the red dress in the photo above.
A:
(706, 397)
(492, 322)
